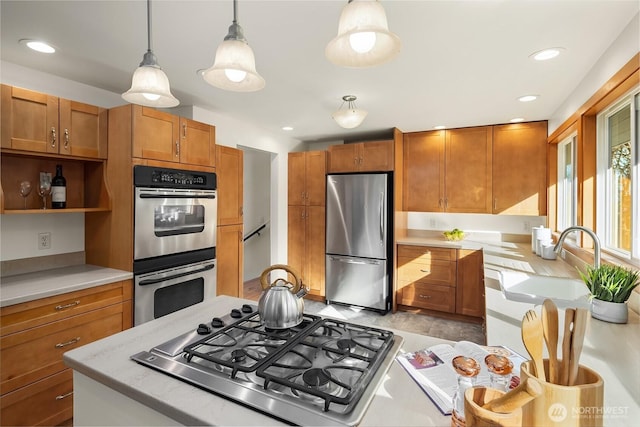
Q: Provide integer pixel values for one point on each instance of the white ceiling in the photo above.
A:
(461, 63)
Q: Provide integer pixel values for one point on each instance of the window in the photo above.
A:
(618, 191)
(567, 184)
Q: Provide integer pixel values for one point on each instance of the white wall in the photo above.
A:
(510, 224)
(19, 236)
(617, 55)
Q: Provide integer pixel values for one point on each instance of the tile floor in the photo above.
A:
(403, 321)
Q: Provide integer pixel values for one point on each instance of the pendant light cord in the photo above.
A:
(235, 13)
(149, 25)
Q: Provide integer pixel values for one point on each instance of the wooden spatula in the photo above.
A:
(569, 314)
(532, 339)
(550, 331)
(526, 391)
(577, 338)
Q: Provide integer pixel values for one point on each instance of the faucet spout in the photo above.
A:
(596, 242)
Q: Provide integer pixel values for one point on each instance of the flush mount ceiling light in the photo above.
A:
(528, 98)
(363, 39)
(149, 84)
(351, 117)
(517, 120)
(38, 45)
(546, 54)
(439, 127)
(234, 67)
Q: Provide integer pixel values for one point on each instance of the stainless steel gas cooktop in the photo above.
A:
(321, 372)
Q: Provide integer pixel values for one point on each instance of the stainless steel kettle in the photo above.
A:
(281, 305)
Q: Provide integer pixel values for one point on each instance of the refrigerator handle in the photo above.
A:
(352, 261)
(381, 218)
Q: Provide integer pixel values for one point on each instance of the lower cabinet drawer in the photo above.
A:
(436, 271)
(432, 297)
(45, 402)
(35, 353)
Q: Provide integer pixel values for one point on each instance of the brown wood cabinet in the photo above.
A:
(441, 279)
(230, 245)
(519, 169)
(307, 178)
(229, 254)
(35, 385)
(163, 136)
(448, 171)
(306, 245)
(370, 156)
(37, 122)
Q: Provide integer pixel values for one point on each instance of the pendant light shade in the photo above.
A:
(363, 39)
(149, 84)
(350, 117)
(234, 67)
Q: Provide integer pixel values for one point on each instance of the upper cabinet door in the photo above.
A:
(376, 156)
(468, 175)
(296, 172)
(83, 129)
(519, 168)
(229, 174)
(343, 158)
(155, 134)
(316, 177)
(423, 178)
(29, 120)
(197, 143)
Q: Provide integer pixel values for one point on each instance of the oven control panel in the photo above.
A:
(147, 176)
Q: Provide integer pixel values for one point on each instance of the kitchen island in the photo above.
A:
(110, 389)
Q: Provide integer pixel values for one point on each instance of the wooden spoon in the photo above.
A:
(577, 339)
(550, 331)
(526, 391)
(532, 339)
(569, 314)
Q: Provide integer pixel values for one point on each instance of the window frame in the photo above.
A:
(571, 140)
(603, 182)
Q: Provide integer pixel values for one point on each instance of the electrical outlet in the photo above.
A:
(44, 240)
(527, 226)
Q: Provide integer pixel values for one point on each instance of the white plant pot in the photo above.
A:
(614, 312)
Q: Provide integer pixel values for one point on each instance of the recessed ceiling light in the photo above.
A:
(38, 45)
(287, 128)
(545, 54)
(528, 98)
(439, 127)
(517, 120)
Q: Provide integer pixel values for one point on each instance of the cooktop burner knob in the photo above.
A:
(217, 322)
(246, 308)
(203, 329)
(236, 314)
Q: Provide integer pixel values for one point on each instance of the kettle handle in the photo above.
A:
(266, 285)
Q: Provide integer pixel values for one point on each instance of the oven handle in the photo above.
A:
(175, 276)
(176, 196)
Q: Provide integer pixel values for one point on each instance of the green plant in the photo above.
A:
(610, 282)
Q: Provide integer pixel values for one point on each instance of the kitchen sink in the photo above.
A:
(531, 288)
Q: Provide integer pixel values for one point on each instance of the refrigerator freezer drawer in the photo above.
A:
(357, 281)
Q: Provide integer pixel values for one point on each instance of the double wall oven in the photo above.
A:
(175, 218)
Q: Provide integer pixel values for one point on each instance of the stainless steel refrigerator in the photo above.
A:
(358, 211)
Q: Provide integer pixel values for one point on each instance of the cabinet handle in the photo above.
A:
(71, 341)
(446, 203)
(302, 214)
(71, 304)
(53, 137)
(495, 204)
(177, 148)
(361, 160)
(355, 161)
(302, 195)
(439, 203)
(64, 396)
(425, 271)
(424, 296)
(184, 130)
(66, 138)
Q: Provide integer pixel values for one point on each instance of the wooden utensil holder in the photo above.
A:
(579, 405)
(476, 416)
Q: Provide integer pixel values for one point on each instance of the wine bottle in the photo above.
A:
(59, 190)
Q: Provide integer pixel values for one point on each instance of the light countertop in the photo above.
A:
(41, 284)
(610, 349)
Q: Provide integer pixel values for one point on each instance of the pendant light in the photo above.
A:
(363, 39)
(234, 67)
(149, 84)
(351, 117)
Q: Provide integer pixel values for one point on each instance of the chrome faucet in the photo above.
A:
(596, 242)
